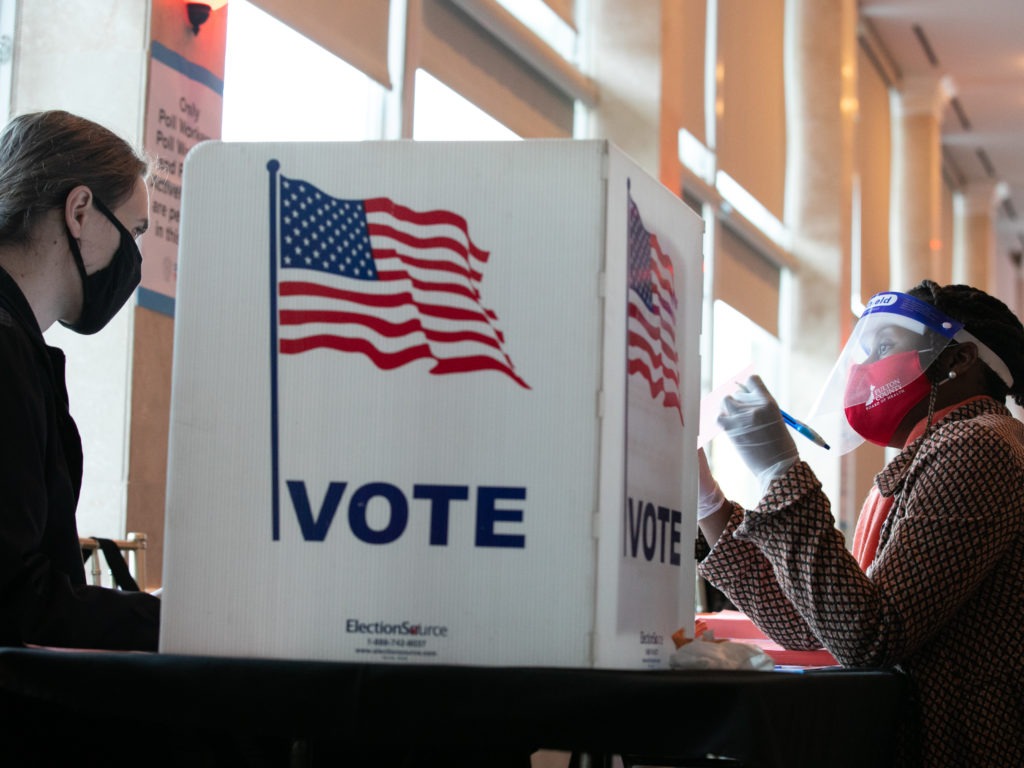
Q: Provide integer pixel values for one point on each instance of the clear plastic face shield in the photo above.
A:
(880, 373)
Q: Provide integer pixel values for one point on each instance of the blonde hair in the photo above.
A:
(44, 155)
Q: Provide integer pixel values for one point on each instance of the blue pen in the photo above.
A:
(804, 430)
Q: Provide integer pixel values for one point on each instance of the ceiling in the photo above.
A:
(979, 46)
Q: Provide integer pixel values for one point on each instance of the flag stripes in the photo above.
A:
(379, 279)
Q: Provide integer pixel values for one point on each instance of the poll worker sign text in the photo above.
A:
(432, 402)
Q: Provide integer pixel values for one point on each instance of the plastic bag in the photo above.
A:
(707, 653)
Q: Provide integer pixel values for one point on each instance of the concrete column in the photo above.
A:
(974, 243)
(821, 68)
(915, 232)
(72, 55)
(624, 56)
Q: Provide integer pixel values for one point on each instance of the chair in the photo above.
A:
(135, 564)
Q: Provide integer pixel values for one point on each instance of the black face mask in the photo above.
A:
(104, 292)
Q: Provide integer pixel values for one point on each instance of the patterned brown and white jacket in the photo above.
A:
(943, 599)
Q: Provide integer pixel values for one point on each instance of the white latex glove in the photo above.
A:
(751, 419)
(709, 496)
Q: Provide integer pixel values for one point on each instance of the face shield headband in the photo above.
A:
(884, 361)
(987, 356)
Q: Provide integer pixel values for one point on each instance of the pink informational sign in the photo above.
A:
(433, 402)
(183, 108)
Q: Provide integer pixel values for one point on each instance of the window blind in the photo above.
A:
(353, 30)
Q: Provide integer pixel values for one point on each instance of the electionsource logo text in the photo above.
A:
(355, 626)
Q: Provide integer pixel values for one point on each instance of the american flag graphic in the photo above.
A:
(651, 327)
(376, 278)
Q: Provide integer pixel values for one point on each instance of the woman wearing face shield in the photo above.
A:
(935, 584)
(73, 201)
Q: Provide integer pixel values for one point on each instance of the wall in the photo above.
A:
(624, 57)
(154, 330)
(92, 64)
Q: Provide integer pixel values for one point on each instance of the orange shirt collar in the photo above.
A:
(938, 416)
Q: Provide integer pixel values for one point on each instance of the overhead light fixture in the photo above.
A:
(198, 13)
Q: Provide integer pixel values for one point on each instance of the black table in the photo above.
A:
(191, 710)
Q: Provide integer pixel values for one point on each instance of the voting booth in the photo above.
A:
(432, 403)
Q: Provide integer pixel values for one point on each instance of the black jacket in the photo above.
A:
(44, 598)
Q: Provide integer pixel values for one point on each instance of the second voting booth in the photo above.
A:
(432, 403)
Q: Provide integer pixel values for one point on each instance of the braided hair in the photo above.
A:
(991, 321)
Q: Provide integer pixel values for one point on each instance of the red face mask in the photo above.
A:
(882, 393)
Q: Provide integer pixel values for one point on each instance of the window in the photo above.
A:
(300, 93)
(546, 23)
(739, 345)
(496, 63)
(442, 114)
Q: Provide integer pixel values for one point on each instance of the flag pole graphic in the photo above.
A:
(272, 167)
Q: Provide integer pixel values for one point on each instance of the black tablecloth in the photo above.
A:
(189, 710)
